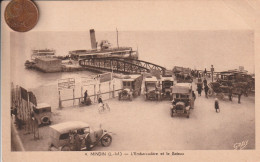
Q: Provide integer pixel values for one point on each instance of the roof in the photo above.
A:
(188, 85)
(48, 59)
(70, 125)
(181, 88)
(131, 77)
(42, 105)
(152, 79)
(166, 78)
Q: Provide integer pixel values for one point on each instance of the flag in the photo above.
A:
(32, 98)
(24, 94)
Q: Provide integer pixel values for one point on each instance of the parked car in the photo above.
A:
(182, 74)
(152, 90)
(166, 83)
(132, 86)
(238, 80)
(182, 99)
(61, 138)
(42, 113)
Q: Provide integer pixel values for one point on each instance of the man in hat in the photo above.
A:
(217, 105)
(206, 89)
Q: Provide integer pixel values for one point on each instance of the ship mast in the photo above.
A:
(117, 38)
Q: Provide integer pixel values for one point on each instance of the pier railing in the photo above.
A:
(107, 90)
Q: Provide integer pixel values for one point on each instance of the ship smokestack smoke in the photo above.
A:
(93, 39)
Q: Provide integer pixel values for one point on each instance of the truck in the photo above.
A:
(152, 89)
(131, 87)
(166, 83)
(183, 100)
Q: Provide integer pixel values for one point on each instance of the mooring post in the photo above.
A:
(113, 95)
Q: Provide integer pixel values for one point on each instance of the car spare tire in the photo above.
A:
(45, 120)
(106, 140)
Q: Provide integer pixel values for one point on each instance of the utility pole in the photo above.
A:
(117, 38)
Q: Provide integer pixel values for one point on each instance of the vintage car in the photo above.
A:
(182, 99)
(237, 80)
(166, 82)
(182, 74)
(132, 86)
(218, 90)
(152, 89)
(62, 137)
(42, 113)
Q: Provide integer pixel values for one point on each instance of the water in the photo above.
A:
(195, 49)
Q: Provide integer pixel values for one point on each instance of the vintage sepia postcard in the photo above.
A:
(130, 80)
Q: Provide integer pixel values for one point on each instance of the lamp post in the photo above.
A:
(212, 71)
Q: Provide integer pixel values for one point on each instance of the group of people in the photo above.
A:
(200, 88)
(197, 73)
(87, 100)
(77, 138)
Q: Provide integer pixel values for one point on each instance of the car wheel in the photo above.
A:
(106, 140)
(65, 148)
(210, 92)
(45, 120)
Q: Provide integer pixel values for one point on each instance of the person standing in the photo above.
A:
(193, 95)
(77, 142)
(85, 96)
(230, 94)
(205, 72)
(206, 89)
(205, 82)
(239, 95)
(199, 89)
(216, 105)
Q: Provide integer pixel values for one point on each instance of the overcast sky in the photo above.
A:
(145, 15)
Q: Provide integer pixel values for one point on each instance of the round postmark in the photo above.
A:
(21, 15)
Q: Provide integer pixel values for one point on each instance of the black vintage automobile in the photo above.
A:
(152, 90)
(182, 99)
(166, 84)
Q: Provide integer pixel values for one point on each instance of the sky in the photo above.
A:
(145, 15)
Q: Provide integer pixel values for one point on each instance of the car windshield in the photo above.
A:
(151, 85)
(127, 84)
(167, 84)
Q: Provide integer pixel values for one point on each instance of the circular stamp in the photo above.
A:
(21, 15)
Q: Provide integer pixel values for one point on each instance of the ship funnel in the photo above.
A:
(93, 39)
